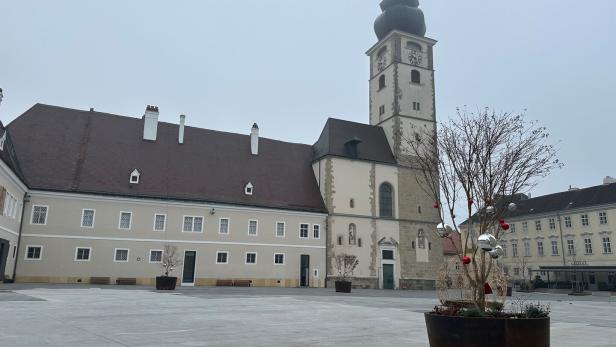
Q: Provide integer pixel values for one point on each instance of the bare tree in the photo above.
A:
(170, 259)
(345, 265)
(478, 160)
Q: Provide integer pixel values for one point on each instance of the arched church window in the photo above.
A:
(359, 242)
(415, 77)
(339, 240)
(413, 45)
(386, 200)
(352, 234)
(381, 82)
(421, 239)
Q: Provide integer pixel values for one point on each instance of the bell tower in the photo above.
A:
(402, 94)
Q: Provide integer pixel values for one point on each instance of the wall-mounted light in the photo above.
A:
(212, 211)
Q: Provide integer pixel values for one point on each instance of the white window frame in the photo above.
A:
(220, 225)
(256, 227)
(89, 254)
(603, 218)
(192, 227)
(246, 258)
(525, 227)
(46, 214)
(284, 259)
(527, 248)
(227, 259)
(162, 254)
(512, 227)
(135, 174)
(284, 229)
(115, 253)
(318, 229)
(607, 245)
(249, 189)
(130, 221)
(540, 248)
(587, 245)
(571, 250)
(11, 204)
(307, 230)
(552, 223)
(83, 213)
(585, 220)
(33, 246)
(164, 223)
(568, 222)
(538, 225)
(554, 245)
(514, 250)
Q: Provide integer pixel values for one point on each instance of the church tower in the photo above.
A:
(402, 94)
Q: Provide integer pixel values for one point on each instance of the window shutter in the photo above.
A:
(2, 199)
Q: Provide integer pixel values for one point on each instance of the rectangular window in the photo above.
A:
(514, 250)
(82, 253)
(588, 245)
(279, 258)
(316, 231)
(160, 222)
(516, 271)
(568, 222)
(602, 218)
(607, 245)
(34, 252)
(552, 224)
(416, 106)
(156, 256)
(388, 254)
(223, 226)
(504, 249)
(192, 224)
(554, 247)
(303, 231)
(512, 228)
(280, 229)
(538, 225)
(381, 110)
(87, 218)
(39, 214)
(10, 205)
(125, 220)
(253, 226)
(251, 258)
(570, 247)
(527, 248)
(584, 220)
(222, 257)
(121, 255)
(540, 248)
(525, 227)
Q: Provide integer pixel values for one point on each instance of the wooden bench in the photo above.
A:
(126, 281)
(224, 283)
(100, 280)
(242, 283)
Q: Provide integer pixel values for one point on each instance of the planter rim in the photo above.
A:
(490, 318)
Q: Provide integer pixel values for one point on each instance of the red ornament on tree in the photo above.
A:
(487, 289)
(501, 221)
(470, 201)
(505, 226)
(466, 260)
(436, 205)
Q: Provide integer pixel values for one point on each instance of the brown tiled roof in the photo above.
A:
(71, 150)
(373, 144)
(448, 245)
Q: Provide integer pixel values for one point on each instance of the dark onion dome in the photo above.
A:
(403, 15)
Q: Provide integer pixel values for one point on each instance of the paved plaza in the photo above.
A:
(62, 315)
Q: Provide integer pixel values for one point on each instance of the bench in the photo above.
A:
(126, 281)
(242, 283)
(224, 283)
(100, 280)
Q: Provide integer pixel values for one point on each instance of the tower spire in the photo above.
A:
(403, 15)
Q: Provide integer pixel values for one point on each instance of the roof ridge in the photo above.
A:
(569, 191)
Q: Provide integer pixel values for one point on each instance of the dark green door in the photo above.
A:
(388, 276)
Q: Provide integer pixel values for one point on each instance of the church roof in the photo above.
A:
(403, 15)
(370, 140)
(67, 150)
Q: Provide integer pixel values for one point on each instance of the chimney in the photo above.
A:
(150, 123)
(181, 133)
(254, 139)
(609, 180)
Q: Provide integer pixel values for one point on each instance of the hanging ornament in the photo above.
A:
(493, 253)
(501, 221)
(487, 289)
(512, 207)
(487, 242)
(470, 201)
(499, 250)
(443, 229)
(466, 260)
(490, 209)
(505, 226)
(436, 205)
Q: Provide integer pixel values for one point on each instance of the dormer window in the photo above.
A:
(134, 177)
(248, 189)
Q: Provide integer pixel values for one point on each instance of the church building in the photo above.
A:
(90, 197)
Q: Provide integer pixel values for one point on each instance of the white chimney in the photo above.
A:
(609, 180)
(254, 139)
(181, 133)
(150, 123)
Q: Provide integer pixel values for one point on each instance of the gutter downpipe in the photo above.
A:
(21, 226)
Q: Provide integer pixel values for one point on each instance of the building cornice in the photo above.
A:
(423, 39)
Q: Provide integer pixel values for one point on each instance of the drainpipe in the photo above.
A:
(21, 226)
(562, 241)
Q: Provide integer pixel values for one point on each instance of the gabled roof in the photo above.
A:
(337, 132)
(69, 150)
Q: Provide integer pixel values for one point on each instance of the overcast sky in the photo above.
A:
(289, 65)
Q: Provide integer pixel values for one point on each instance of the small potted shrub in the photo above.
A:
(169, 262)
(345, 264)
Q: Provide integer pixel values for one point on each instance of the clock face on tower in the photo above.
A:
(381, 62)
(415, 57)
